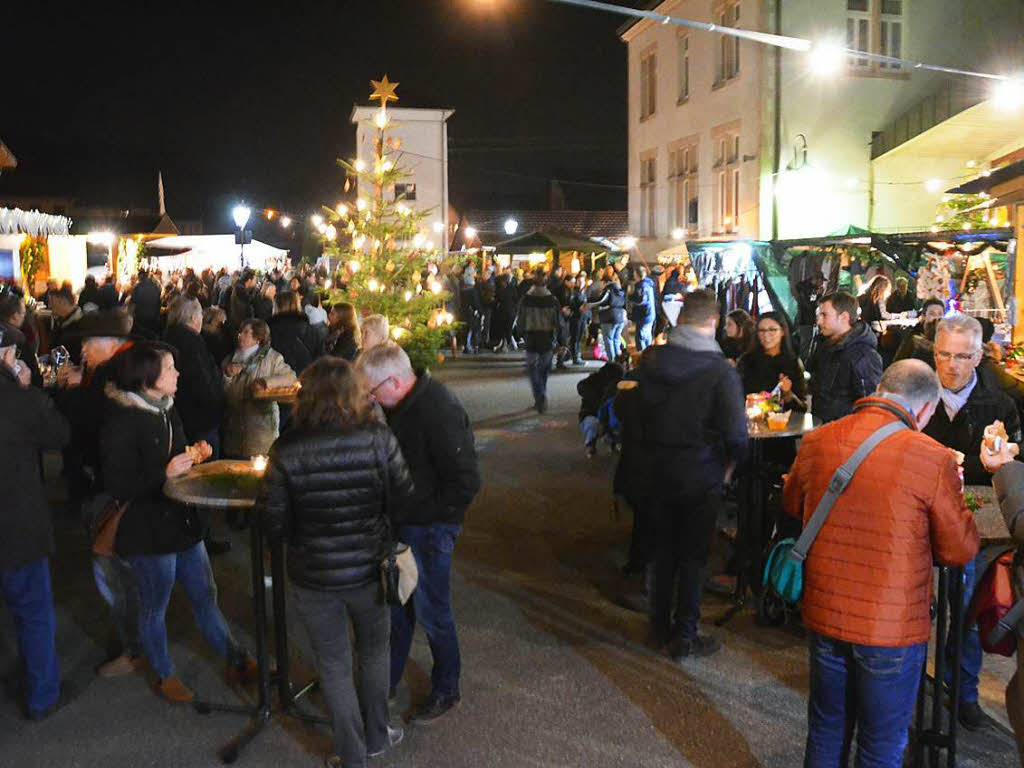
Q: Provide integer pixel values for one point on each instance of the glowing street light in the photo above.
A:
(933, 186)
(240, 213)
(826, 59)
(511, 225)
(470, 233)
(1009, 94)
(678, 233)
(286, 221)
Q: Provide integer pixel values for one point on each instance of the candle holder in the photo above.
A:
(259, 464)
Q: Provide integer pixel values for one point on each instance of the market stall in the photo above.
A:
(199, 252)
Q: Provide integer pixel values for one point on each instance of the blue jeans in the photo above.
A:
(29, 597)
(538, 366)
(430, 605)
(971, 654)
(612, 333)
(644, 334)
(155, 576)
(866, 687)
(591, 429)
(115, 581)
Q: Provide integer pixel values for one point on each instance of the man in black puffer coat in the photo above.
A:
(692, 419)
(436, 437)
(292, 335)
(29, 425)
(845, 366)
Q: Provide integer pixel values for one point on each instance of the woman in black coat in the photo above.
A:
(292, 335)
(343, 332)
(773, 363)
(335, 488)
(142, 444)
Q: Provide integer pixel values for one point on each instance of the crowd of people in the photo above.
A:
(168, 373)
(139, 386)
(679, 414)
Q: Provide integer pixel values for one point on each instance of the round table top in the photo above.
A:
(989, 518)
(799, 424)
(210, 485)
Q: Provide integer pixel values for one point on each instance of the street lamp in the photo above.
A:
(240, 213)
(511, 225)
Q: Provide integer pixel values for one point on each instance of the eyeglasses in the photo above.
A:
(960, 357)
(373, 392)
(767, 331)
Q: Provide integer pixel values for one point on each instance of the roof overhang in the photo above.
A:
(979, 133)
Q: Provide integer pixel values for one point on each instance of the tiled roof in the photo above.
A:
(585, 224)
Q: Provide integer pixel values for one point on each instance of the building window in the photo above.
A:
(647, 187)
(890, 37)
(727, 65)
(727, 184)
(683, 183)
(684, 68)
(648, 85)
(406, 191)
(875, 26)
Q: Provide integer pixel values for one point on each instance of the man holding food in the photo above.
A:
(967, 406)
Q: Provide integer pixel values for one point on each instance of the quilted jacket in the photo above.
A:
(324, 494)
(868, 576)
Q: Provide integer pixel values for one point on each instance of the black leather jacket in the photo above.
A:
(324, 494)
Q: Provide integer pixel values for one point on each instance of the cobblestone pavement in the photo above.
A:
(556, 668)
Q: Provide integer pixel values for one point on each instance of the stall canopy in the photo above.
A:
(534, 242)
(213, 251)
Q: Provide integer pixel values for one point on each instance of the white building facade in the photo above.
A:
(704, 113)
(422, 139)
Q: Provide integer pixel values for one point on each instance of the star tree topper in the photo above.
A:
(383, 90)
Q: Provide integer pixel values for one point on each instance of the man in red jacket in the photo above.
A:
(869, 572)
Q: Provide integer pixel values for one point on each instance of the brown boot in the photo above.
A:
(122, 665)
(175, 691)
(244, 672)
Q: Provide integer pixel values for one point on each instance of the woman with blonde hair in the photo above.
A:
(335, 488)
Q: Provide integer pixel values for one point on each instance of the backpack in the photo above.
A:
(992, 600)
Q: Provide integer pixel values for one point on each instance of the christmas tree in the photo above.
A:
(962, 212)
(388, 262)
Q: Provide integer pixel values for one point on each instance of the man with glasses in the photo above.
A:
(966, 407)
(436, 437)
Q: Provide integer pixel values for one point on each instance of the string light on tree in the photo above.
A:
(342, 210)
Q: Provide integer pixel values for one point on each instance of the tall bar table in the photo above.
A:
(209, 486)
(750, 519)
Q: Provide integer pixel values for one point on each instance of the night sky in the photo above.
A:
(243, 102)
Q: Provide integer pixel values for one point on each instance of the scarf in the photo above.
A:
(954, 401)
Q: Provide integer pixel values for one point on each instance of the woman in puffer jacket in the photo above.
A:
(251, 426)
(335, 488)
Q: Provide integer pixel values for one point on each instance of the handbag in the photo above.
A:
(398, 572)
(104, 515)
(784, 570)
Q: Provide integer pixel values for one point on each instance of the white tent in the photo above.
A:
(214, 251)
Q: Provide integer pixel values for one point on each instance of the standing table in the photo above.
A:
(750, 520)
(208, 485)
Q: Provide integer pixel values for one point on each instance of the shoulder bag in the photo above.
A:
(784, 571)
(398, 572)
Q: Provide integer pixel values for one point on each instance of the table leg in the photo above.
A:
(745, 533)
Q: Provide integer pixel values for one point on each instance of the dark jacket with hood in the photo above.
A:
(29, 425)
(844, 372)
(146, 300)
(293, 336)
(200, 396)
(691, 405)
(137, 440)
(437, 441)
(964, 433)
(324, 494)
(612, 304)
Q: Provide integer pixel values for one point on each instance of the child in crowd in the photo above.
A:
(596, 390)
